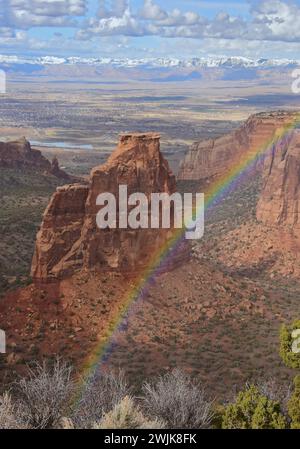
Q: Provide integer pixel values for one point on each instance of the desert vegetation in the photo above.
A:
(49, 397)
(24, 196)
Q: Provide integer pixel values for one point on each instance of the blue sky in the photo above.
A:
(151, 28)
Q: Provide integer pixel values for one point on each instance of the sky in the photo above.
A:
(151, 28)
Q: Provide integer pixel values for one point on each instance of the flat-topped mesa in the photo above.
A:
(69, 238)
(138, 137)
(213, 157)
(19, 155)
(279, 203)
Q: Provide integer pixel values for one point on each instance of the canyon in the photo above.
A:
(209, 299)
(83, 276)
(275, 139)
(268, 241)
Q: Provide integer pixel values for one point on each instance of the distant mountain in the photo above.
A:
(209, 62)
(155, 70)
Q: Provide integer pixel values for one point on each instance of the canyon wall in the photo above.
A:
(19, 155)
(211, 158)
(279, 203)
(69, 238)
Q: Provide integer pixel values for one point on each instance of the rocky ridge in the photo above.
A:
(213, 157)
(19, 155)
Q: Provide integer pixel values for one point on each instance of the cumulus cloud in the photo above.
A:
(125, 25)
(6, 32)
(116, 8)
(270, 20)
(152, 11)
(13, 39)
(277, 20)
(25, 14)
(150, 20)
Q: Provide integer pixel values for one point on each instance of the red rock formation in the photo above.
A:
(212, 158)
(61, 229)
(56, 171)
(19, 154)
(279, 203)
(69, 238)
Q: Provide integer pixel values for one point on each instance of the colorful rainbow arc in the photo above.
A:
(215, 193)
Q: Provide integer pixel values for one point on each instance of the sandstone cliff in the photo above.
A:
(69, 238)
(279, 203)
(212, 158)
(19, 155)
(56, 171)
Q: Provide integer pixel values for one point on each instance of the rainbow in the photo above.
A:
(213, 196)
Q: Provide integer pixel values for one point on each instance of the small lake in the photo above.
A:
(62, 145)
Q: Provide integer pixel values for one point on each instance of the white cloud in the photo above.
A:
(13, 39)
(6, 32)
(271, 20)
(123, 25)
(277, 20)
(25, 14)
(269, 24)
(150, 20)
(152, 11)
(117, 8)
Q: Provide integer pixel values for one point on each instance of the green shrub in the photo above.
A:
(294, 405)
(252, 410)
(290, 358)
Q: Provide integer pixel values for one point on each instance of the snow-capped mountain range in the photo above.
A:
(209, 62)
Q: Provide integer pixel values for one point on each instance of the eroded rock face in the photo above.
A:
(211, 158)
(56, 171)
(69, 238)
(19, 154)
(279, 203)
(61, 229)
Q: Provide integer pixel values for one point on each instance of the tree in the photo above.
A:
(294, 405)
(290, 354)
(287, 341)
(252, 410)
